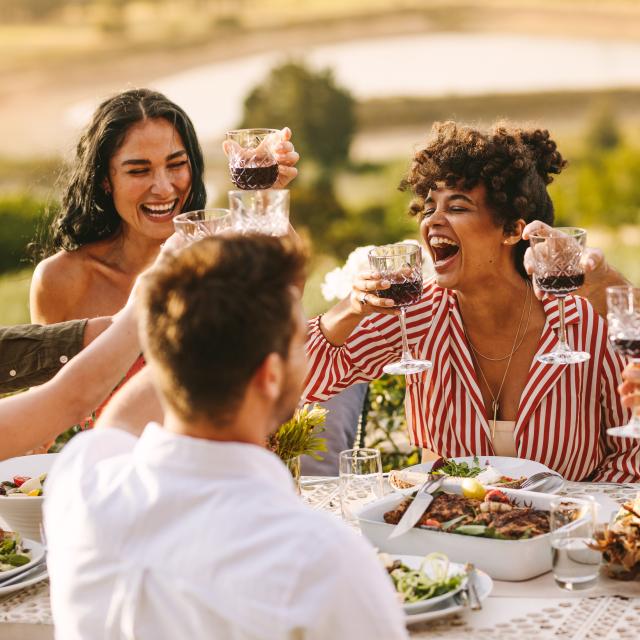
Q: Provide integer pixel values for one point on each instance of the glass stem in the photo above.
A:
(406, 354)
(562, 333)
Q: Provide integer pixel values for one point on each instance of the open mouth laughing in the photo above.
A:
(444, 251)
(160, 211)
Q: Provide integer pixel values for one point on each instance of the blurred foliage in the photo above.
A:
(20, 215)
(603, 132)
(311, 104)
(601, 187)
(386, 424)
(14, 297)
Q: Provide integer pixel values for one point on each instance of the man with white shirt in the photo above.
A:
(194, 530)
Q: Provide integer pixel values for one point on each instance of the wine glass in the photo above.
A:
(261, 211)
(623, 319)
(401, 265)
(252, 161)
(194, 225)
(558, 271)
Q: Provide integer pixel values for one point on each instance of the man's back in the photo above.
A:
(176, 537)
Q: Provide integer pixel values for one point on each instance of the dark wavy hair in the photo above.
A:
(513, 164)
(87, 213)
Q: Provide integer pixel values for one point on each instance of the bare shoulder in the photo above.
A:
(58, 283)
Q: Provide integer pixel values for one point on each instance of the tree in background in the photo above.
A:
(320, 113)
(602, 133)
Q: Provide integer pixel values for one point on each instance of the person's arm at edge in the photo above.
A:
(133, 406)
(40, 414)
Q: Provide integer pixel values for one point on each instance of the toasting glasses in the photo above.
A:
(623, 319)
(252, 161)
(558, 271)
(194, 225)
(401, 265)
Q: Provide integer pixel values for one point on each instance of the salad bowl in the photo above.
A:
(21, 512)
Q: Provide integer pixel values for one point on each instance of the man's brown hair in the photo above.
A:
(213, 312)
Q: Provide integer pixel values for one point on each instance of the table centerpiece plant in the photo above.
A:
(300, 436)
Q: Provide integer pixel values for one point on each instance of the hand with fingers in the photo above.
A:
(630, 389)
(591, 262)
(364, 299)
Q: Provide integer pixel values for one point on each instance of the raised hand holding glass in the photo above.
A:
(401, 265)
(623, 319)
(558, 271)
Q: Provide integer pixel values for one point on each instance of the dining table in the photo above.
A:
(535, 608)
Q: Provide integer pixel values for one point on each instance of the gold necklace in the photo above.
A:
(527, 297)
(495, 400)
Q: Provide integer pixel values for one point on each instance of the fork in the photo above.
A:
(536, 479)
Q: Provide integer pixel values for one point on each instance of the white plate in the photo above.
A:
(512, 467)
(484, 586)
(12, 588)
(37, 552)
(414, 562)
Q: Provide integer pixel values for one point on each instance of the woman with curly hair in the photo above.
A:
(138, 164)
(479, 322)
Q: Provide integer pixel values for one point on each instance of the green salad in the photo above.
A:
(12, 553)
(449, 467)
(431, 579)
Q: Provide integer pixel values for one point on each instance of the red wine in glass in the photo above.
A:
(560, 285)
(403, 293)
(254, 178)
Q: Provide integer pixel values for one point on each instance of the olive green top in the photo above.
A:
(31, 354)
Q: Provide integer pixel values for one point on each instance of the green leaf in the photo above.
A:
(472, 529)
(16, 560)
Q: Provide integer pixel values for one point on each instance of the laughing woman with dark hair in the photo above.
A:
(480, 323)
(138, 164)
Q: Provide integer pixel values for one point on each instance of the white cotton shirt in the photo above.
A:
(170, 537)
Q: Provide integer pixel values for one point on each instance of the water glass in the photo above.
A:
(195, 225)
(264, 211)
(360, 480)
(575, 564)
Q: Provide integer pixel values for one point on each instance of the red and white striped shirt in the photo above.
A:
(564, 410)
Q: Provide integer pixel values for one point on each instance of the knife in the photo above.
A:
(422, 500)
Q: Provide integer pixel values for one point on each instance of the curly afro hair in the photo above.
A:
(513, 164)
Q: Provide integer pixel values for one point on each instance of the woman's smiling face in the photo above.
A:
(150, 178)
(466, 244)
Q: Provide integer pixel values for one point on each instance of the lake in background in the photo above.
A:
(424, 65)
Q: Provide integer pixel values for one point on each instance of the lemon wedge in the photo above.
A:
(471, 488)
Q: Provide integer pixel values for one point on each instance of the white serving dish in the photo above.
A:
(24, 513)
(510, 560)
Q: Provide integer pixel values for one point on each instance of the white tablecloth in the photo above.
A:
(535, 609)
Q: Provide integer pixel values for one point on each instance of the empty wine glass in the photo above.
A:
(252, 160)
(194, 225)
(262, 211)
(623, 319)
(557, 268)
(401, 265)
